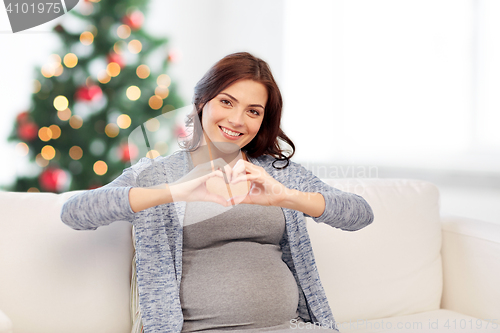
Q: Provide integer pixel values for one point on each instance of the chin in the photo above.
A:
(227, 147)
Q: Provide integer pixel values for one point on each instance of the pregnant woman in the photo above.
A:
(219, 229)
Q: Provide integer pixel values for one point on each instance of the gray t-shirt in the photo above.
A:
(233, 276)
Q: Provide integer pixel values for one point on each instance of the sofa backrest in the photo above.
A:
(391, 267)
(55, 279)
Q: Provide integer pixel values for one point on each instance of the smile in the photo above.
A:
(230, 133)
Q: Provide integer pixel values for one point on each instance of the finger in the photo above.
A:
(249, 177)
(250, 168)
(225, 177)
(212, 197)
(216, 173)
(228, 173)
(239, 179)
(220, 164)
(239, 169)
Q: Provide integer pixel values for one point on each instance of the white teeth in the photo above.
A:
(230, 132)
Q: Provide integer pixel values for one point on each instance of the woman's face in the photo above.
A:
(236, 113)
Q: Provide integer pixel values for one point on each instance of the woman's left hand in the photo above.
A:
(264, 189)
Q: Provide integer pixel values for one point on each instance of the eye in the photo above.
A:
(254, 112)
(225, 101)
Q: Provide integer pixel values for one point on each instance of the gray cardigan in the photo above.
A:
(158, 234)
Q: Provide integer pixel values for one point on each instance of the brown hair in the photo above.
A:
(234, 67)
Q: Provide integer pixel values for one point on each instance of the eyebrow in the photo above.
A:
(252, 105)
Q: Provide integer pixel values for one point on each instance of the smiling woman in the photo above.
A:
(228, 118)
(219, 227)
(244, 84)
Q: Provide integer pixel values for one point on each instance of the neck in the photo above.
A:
(209, 152)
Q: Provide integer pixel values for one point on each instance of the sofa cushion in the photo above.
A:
(393, 266)
(5, 323)
(56, 279)
(471, 267)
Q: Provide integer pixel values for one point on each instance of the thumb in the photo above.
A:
(216, 173)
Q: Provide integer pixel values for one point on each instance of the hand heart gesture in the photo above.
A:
(209, 181)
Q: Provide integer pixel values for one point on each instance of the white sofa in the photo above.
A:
(410, 271)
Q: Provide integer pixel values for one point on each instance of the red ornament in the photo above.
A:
(52, 179)
(93, 186)
(113, 57)
(59, 28)
(27, 131)
(88, 93)
(134, 20)
(180, 131)
(23, 117)
(173, 56)
(128, 152)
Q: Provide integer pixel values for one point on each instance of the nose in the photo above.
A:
(236, 118)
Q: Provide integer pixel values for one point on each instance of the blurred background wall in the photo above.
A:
(384, 88)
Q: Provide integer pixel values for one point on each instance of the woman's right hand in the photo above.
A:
(192, 187)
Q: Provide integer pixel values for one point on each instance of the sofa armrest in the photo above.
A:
(5, 323)
(471, 267)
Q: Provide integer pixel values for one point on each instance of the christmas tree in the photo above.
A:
(91, 95)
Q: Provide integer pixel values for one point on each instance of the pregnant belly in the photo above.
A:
(239, 284)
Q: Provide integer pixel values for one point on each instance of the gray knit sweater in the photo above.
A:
(158, 234)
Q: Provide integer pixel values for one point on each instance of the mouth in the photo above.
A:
(229, 133)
